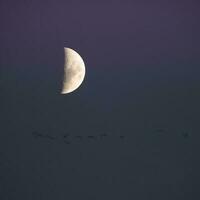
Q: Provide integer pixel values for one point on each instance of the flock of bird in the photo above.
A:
(67, 138)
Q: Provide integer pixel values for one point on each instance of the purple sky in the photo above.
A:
(125, 33)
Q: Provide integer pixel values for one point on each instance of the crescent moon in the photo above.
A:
(74, 71)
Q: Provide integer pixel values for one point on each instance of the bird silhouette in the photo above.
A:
(67, 142)
(49, 137)
(40, 135)
(66, 135)
(91, 136)
(103, 135)
(79, 137)
(36, 134)
(159, 130)
(185, 134)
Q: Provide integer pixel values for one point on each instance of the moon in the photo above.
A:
(74, 71)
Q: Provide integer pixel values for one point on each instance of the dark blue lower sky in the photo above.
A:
(130, 131)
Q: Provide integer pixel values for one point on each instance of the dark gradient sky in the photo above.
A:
(142, 82)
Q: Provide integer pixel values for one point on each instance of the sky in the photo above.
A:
(130, 131)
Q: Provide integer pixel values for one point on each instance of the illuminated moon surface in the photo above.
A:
(74, 71)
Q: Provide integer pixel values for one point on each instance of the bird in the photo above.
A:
(91, 136)
(159, 130)
(185, 134)
(50, 137)
(66, 135)
(36, 134)
(103, 135)
(78, 136)
(67, 142)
